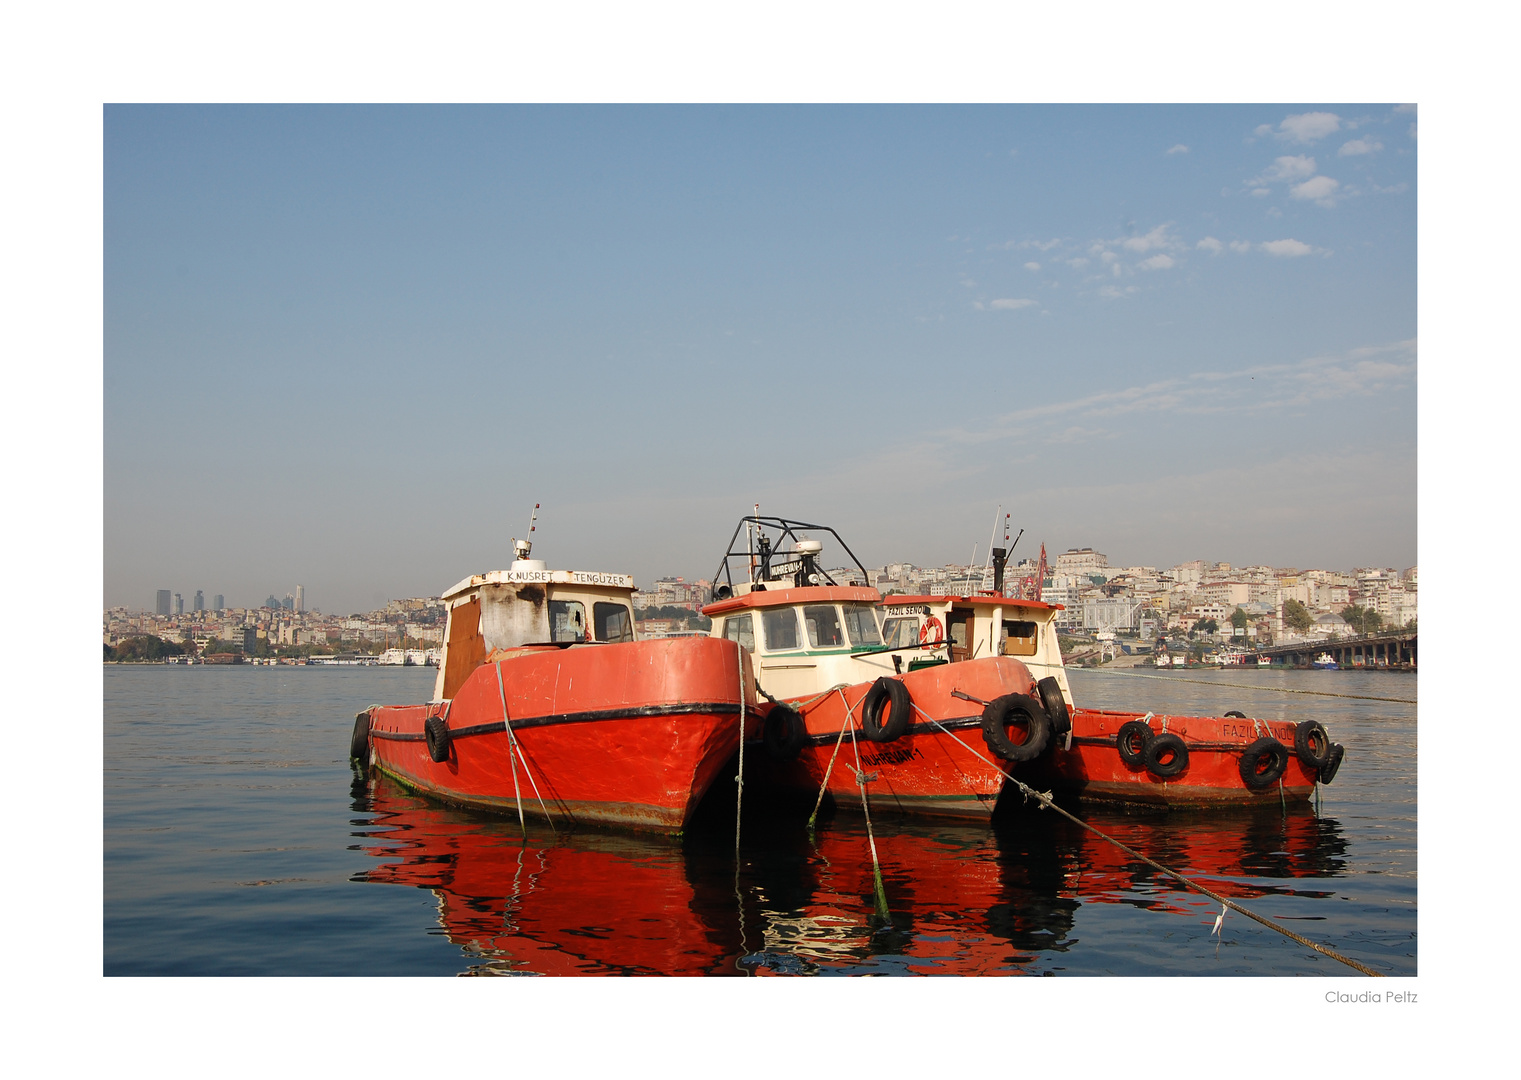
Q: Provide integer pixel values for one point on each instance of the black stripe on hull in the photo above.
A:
(706, 708)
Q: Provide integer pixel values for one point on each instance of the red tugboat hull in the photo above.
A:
(1094, 769)
(625, 734)
(939, 769)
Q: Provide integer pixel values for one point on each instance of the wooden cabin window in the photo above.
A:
(741, 628)
(824, 629)
(780, 625)
(861, 626)
(613, 622)
(1020, 638)
(567, 621)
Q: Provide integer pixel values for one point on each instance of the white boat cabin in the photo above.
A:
(493, 613)
(805, 640)
(1025, 629)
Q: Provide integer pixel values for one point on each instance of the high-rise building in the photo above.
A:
(300, 597)
(217, 603)
(200, 601)
(179, 604)
(161, 604)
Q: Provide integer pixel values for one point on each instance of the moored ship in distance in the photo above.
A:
(847, 707)
(1132, 757)
(1324, 662)
(545, 703)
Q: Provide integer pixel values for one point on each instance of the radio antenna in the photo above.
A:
(527, 545)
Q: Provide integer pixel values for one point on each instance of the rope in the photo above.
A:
(515, 748)
(876, 869)
(1046, 801)
(849, 709)
(739, 779)
(1249, 686)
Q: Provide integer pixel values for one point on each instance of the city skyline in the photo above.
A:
(1180, 330)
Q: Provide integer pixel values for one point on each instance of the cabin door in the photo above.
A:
(958, 631)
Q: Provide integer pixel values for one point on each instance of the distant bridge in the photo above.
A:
(1395, 650)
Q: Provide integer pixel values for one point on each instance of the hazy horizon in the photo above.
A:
(350, 347)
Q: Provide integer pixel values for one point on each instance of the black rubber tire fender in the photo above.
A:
(1238, 714)
(1050, 692)
(1311, 744)
(436, 735)
(1166, 755)
(784, 733)
(1263, 762)
(900, 709)
(1015, 709)
(1333, 762)
(1131, 741)
(359, 742)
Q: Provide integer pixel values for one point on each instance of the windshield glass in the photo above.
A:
(902, 632)
(613, 622)
(567, 620)
(781, 628)
(741, 628)
(824, 630)
(861, 625)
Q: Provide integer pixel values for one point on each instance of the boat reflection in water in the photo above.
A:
(963, 900)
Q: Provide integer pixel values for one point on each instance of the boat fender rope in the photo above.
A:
(1050, 804)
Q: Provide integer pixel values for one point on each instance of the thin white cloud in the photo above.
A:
(1011, 305)
(1261, 191)
(1241, 245)
(1210, 244)
(1287, 249)
(1407, 108)
(1361, 372)
(1077, 263)
(1158, 239)
(1365, 145)
(1032, 266)
(1307, 127)
(1322, 189)
(1158, 262)
(1179, 149)
(1288, 167)
(1114, 292)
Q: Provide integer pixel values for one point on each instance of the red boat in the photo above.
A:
(545, 704)
(1125, 757)
(848, 708)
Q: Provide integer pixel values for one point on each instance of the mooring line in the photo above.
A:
(876, 868)
(739, 778)
(1046, 801)
(1248, 686)
(828, 772)
(515, 751)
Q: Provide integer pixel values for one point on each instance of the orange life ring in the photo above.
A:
(932, 632)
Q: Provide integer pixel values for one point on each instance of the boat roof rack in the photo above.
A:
(767, 561)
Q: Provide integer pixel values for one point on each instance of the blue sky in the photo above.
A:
(351, 347)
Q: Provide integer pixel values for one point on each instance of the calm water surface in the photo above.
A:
(239, 841)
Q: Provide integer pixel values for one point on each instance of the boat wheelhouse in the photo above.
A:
(546, 703)
(821, 661)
